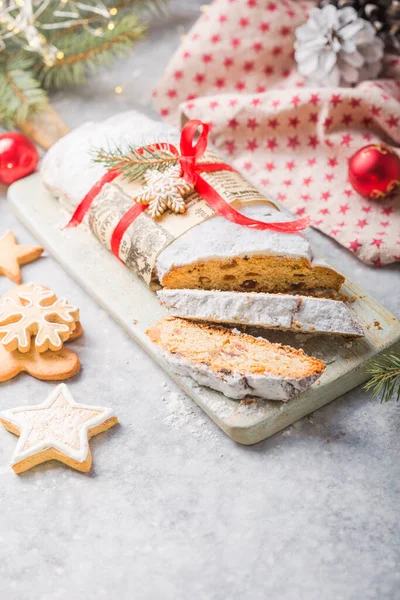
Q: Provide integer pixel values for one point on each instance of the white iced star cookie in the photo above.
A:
(59, 429)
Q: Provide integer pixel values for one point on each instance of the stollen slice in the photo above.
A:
(270, 311)
(234, 363)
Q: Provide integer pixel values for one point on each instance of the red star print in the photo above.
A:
(287, 182)
(290, 165)
(384, 223)
(222, 18)
(271, 6)
(228, 62)
(248, 66)
(335, 99)
(255, 101)
(377, 262)
(230, 147)
(243, 22)
(342, 224)
(376, 242)
(346, 139)
(329, 176)
(199, 78)
(178, 75)
(293, 122)
(312, 141)
(164, 112)
(276, 103)
(348, 193)
(366, 209)
(387, 211)
(347, 119)
(207, 58)
(305, 197)
(314, 99)
(251, 145)
(261, 89)
(235, 43)
(290, 13)
(265, 182)
(354, 102)
(240, 85)
(285, 73)
(393, 121)
(276, 50)
(186, 55)
(233, 102)
(325, 195)
(317, 223)
(311, 162)
(354, 245)
(295, 101)
(285, 31)
(375, 110)
(313, 118)
(171, 93)
(343, 208)
(281, 196)
(270, 166)
(367, 137)
(307, 180)
(293, 142)
(268, 70)
(264, 27)
(233, 123)
(214, 39)
(324, 211)
(257, 47)
(328, 122)
(213, 104)
(247, 166)
(274, 123)
(220, 82)
(362, 223)
(271, 144)
(251, 3)
(300, 211)
(366, 121)
(334, 232)
(252, 124)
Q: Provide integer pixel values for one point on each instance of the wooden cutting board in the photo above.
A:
(135, 307)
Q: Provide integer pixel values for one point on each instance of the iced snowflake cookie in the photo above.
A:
(58, 429)
(13, 255)
(33, 311)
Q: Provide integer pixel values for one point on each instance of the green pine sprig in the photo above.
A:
(133, 162)
(385, 377)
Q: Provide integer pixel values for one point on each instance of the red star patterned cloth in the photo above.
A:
(235, 70)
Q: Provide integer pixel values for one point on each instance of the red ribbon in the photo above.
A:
(188, 159)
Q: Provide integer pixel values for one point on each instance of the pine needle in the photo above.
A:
(385, 377)
(134, 162)
(20, 92)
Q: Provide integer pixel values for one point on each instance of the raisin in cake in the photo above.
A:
(235, 364)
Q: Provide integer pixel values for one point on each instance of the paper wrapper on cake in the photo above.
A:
(146, 237)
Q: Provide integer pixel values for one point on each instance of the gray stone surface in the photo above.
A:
(172, 508)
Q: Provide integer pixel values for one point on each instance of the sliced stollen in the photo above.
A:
(271, 311)
(216, 254)
(234, 363)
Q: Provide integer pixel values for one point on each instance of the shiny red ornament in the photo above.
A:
(374, 171)
(18, 157)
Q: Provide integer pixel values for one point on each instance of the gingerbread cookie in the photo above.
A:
(35, 311)
(13, 255)
(58, 429)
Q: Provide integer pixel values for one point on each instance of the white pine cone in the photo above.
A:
(336, 47)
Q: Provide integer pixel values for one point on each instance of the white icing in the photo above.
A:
(68, 170)
(59, 399)
(263, 310)
(237, 386)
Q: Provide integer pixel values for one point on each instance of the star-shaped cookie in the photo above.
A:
(13, 255)
(59, 429)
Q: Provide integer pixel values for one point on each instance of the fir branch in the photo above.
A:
(20, 92)
(84, 52)
(385, 377)
(133, 162)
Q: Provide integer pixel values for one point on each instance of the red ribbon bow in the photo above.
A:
(188, 159)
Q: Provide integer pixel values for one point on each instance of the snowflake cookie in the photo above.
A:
(35, 311)
(58, 429)
(164, 190)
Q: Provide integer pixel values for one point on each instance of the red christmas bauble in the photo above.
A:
(18, 157)
(374, 171)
